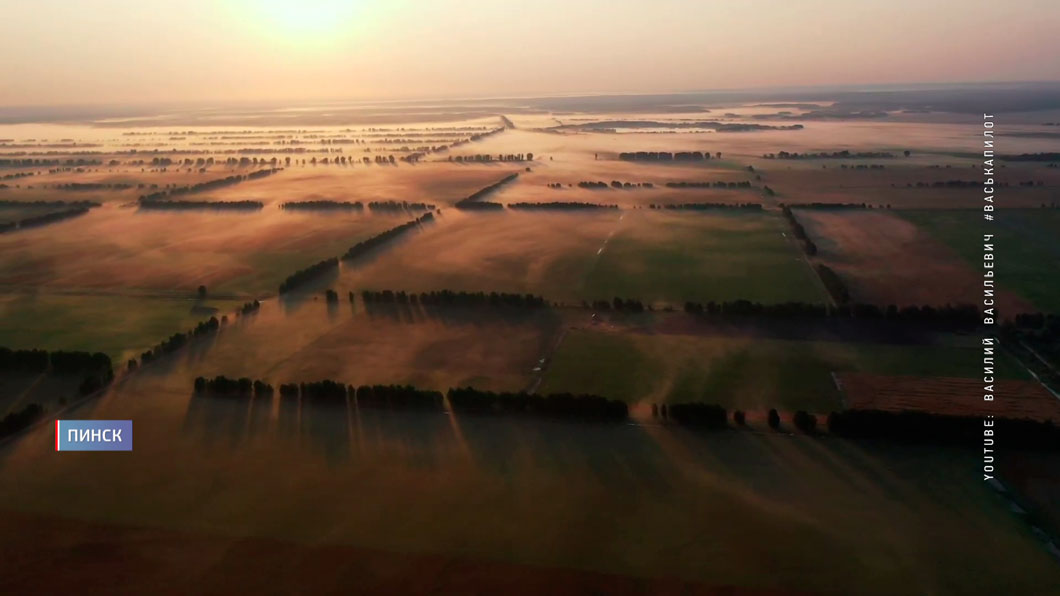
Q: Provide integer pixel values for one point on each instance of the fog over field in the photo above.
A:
(565, 299)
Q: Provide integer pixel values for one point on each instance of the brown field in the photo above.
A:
(949, 396)
(126, 249)
(885, 259)
(548, 254)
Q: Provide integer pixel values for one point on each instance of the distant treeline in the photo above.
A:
(705, 184)
(79, 186)
(96, 367)
(556, 405)
(844, 154)
(618, 304)
(8, 203)
(862, 166)
(303, 275)
(451, 298)
(560, 205)
(44, 163)
(178, 340)
(20, 420)
(472, 201)
(486, 157)
(947, 318)
(193, 205)
(16, 175)
(1032, 157)
(827, 206)
(207, 186)
(664, 156)
(399, 206)
(322, 205)
(40, 220)
(379, 239)
(600, 185)
(708, 206)
(832, 282)
(808, 245)
(925, 427)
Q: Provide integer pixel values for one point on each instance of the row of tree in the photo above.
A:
(618, 304)
(193, 205)
(705, 184)
(322, 205)
(844, 154)
(179, 340)
(832, 282)
(303, 275)
(209, 185)
(664, 156)
(560, 205)
(95, 368)
(599, 185)
(808, 245)
(364, 246)
(944, 318)
(555, 405)
(708, 206)
(399, 206)
(472, 201)
(486, 157)
(20, 420)
(454, 298)
(925, 427)
(44, 219)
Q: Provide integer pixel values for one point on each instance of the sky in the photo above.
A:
(80, 52)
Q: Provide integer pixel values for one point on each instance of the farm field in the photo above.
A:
(949, 396)
(700, 257)
(638, 495)
(121, 326)
(531, 500)
(750, 373)
(1026, 240)
(885, 259)
(243, 254)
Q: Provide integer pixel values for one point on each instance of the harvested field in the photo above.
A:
(949, 396)
(884, 259)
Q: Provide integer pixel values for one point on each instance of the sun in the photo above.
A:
(305, 19)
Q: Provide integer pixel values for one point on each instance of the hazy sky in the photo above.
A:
(78, 52)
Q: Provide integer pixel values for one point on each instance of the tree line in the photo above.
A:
(705, 184)
(946, 318)
(20, 420)
(556, 405)
(844, 154)
(364, 246)
(707, 206)
(178, 340)
(399, 206)
(560, 205)
(454, 298)
(322, 205)
(664, 156)
(486, 157)
(95, 368)
(808, 245)
(472, 200)
(207, 186)
(44, 219)
(600, 185)
(193, 205)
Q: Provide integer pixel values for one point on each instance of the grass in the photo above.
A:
(748, 373)
(677, 257)
(1026, 244)
(119, 326)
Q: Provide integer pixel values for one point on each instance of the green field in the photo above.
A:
(737, 372)
(734, 508)
(675, 257)
(119, 326)
(1027, 245)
